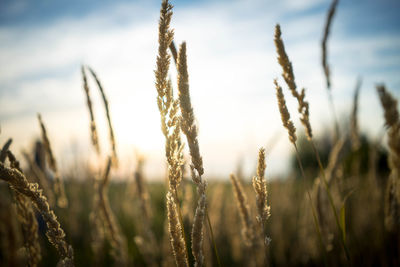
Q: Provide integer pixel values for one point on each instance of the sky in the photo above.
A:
(232, 64)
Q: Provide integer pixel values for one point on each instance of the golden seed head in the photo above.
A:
(285, 115)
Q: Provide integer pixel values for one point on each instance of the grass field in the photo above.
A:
(339, 205)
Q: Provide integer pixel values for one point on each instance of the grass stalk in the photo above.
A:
(212, 238)
(117, 241)
(54, 232)
(108, 116)
(314, 213)
(332, 204)
(303, 109)
(189, 128)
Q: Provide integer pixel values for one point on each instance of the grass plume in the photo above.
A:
(285, 63)
(110, 127)
(263, 209)
(27, 217)
(392, 122)
(170, 127)
(188, 126)
(325, 37)
(248, 232)
(93, 130)
(25, 212)
(285, 115)
(167, 105)
(54, 232)
(303, 109)
(325, 65)
(288, 76)
(260, 188)
(288, 124)
(175, 231)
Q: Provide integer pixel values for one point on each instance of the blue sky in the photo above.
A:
(232, 64)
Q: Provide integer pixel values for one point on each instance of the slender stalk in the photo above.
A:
(212, 238)
(189, 128)
(330, 198)
(314, 213)
(303, 109)
(112, 230)
(288, 124)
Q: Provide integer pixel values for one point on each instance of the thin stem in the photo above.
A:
(299, 162)
(212, 238)
(265, 245)
(331, 202)
(316, 223)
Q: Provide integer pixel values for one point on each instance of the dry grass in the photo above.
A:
(25, 213)
(175, 231)
(170, 126)
(108, 116)
(248, 230)
(111, 228)
(260, 188)
(392, 121)
(325, 65)
(93, 129)
(327, 28)
(316, 220)
(54, 232)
